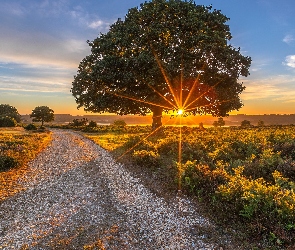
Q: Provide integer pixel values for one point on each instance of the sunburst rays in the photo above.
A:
(182, 103)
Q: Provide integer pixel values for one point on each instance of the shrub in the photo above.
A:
(245, 123)
(258, 199)
(201, 179)
(79, 122)
(7, 162)
(92, 124)
(146, 158)
(7, 122)
(119, 123)
(31, 126)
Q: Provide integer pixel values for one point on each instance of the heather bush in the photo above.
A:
(146, 158)
(201, 179)
(7, 162)
(30, 126)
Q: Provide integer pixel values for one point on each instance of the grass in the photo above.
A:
(19, 147)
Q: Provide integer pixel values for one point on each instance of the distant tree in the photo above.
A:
(219, 123)
(201, 125)
(120, 123)
(92, 124)
(245, 123)
(42, 114)
(260, 123)
(79, 122)
(215, 124)
(9, 111)
(7, 122)
(165, 55)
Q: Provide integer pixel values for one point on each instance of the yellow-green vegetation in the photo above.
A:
(114, 137)
(245, 175)
(17, 148)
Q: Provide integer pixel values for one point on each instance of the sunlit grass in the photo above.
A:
(23, 147)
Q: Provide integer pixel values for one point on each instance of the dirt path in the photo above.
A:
(77, 197)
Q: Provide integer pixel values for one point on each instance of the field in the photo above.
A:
(17, 148)
(244, 178)
(245, 175)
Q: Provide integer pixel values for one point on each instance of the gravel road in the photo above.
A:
(78, 197)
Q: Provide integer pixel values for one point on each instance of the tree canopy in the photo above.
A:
(42, 114)
(9, 111)
(165, 55)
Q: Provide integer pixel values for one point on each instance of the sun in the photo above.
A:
(180, 112)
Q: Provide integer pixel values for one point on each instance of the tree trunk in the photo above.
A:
(157, 117)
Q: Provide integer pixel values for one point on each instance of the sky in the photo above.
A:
(43, 41)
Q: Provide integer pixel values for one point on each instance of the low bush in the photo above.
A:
(7, 162)
(198, 178)
(30, 126)
(146, 158)
(7, 122)
(92, 124)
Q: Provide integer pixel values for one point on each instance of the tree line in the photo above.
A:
(10, 117)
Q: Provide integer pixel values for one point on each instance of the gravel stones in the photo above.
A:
(77, 197)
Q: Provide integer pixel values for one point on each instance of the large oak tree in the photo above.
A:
(165, 55)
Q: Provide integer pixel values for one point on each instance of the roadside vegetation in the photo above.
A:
(17, 147)
(244, 176)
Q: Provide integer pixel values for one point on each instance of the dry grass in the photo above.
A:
(22, 146)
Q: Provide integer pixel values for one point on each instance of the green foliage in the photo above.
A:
(119, 123)
(124, 72)
(42, 114)
(92, 124)
(9, 111)
(260, 123)
(245, 124)
(146, 158)
(30, 126)
(201, 179)
(79, 122)
(7, 162)
(219, 123)
(7, 122)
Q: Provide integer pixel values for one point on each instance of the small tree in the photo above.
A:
(245, 123)
(9, 111)
(219, 123)
(201, 125)
(260, 123)
(119, 123)
(42, 114)
(79, 122)
(92, 124)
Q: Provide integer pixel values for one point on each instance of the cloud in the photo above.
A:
(96, 24)
(290, 61)
(91, 21)
(289, 39)
(41, 79)
(273, 88)
(39, 48)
